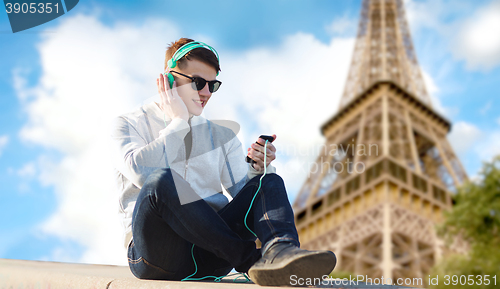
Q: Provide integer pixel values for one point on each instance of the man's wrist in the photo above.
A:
(254, 167)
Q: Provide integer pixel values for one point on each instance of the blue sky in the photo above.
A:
(61, 81)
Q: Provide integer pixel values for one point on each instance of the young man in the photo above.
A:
(170, 164)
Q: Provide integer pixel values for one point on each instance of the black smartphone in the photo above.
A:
(264, 137)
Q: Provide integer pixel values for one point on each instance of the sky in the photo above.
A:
(284, 65)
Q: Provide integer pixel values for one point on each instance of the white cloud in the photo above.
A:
(488, 147)
(472, 144)
(4, 140)
(343, 26)
(464, 136)
(424, 14)
(27, 171)
(498, 121)
(432, 88)
(26, 174)
(437, 15)
(431, 30)
(478, 40)
(90, 73)
(433, 91)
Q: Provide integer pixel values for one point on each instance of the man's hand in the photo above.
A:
(171, 103)
(256, 152)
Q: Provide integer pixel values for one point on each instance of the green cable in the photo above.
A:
(218, 279)
(260, 183)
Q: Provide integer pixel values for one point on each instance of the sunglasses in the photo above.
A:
(198, 83)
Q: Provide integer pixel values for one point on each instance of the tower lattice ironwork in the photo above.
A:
(384, 51)
(387, 170)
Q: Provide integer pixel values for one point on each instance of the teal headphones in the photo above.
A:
(171, 63)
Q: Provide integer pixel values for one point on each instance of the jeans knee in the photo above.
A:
(161, 182)
(273, 180)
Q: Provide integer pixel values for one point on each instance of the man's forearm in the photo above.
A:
(137, 159)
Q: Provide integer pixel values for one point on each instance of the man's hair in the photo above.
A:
(201, 54)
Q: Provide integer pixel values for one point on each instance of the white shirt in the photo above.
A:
(142, 144)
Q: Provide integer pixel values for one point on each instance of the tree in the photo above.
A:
(475, 217)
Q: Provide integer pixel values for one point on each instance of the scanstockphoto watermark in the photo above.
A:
(357, 280)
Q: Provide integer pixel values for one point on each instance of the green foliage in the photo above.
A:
(475, 218)
(476, 214)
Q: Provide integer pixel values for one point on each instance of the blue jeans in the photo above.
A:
(164, 230)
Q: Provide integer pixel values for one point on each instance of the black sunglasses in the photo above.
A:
(198, 83)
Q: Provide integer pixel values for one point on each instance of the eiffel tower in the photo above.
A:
(386, 172)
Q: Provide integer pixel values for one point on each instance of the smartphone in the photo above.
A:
(264, 137)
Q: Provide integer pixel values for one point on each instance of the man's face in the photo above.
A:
(195, 100)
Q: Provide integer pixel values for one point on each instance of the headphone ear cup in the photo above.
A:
(171, 63)
(170, 79)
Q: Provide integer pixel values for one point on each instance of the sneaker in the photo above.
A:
(282, 260)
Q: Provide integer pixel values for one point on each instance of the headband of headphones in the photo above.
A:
(171, 63)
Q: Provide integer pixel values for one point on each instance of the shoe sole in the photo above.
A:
(306, 266)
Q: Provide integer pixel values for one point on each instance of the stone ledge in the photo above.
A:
(39, 274)
(54, 275)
